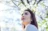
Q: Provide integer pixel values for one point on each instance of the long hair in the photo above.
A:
(33, 22)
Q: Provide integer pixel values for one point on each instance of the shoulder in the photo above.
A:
(31, 28)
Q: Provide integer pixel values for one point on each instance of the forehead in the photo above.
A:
(26, 12)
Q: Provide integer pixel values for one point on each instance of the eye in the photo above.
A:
(26, 13)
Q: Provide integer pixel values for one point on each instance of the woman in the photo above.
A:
(29, 21)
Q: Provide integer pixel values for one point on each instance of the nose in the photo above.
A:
(22, 15)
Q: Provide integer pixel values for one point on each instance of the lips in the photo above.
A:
(23, 18)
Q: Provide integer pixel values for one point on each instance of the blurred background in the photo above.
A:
(11, 10)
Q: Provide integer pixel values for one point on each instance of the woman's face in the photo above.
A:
(26, 17)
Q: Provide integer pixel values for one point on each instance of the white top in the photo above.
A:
(30, 27)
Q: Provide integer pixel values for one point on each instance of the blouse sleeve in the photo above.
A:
(31, 28)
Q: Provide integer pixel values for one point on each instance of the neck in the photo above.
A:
(25, 24)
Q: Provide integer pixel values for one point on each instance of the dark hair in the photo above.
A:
(33, 22)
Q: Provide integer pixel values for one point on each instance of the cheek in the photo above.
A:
(28, 18)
